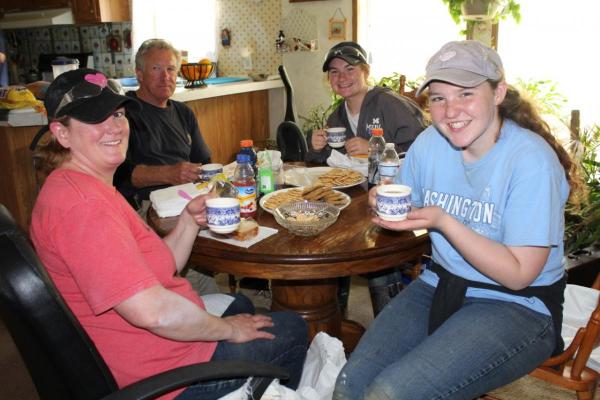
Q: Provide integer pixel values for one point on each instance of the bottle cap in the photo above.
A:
(377, 132)
(392, 145)
(243, 158)
(246, 143)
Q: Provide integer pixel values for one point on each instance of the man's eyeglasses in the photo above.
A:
(83, 90)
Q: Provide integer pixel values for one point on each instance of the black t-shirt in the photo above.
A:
(159, 136)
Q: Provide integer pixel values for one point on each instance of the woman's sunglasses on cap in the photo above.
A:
(83, 90)
(348, 51)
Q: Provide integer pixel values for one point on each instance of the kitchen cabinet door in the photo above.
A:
(8, 6)
(45, 4)
(95, 11)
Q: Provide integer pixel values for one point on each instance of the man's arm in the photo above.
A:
(152, 175)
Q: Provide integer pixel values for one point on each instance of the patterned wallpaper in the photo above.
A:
(254, 26)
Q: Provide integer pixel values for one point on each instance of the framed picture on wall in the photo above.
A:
(337, 29)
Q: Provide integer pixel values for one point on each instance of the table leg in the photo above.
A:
(314, 300)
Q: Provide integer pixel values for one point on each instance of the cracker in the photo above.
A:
(340, 177)
(282, 198)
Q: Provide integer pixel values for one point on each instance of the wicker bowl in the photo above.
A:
(306, 218)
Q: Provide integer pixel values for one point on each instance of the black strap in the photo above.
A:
(38, 136)
(451, 289)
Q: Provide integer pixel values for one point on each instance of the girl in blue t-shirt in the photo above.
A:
(490, 183)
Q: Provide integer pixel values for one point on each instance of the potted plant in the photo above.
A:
(582, 224)
(479, 10)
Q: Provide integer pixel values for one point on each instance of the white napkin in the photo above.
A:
(339, 160)
(263, 233)
(274, 156)
(168, 203)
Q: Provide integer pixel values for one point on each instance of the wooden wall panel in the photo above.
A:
(226, 120)
(18, 188)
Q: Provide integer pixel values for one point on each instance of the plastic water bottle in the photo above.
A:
(376, 147)
(389, 164)
(243, 179)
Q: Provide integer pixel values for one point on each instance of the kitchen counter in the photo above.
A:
(224, 89)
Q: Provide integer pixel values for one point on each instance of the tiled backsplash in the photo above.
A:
(26, 45)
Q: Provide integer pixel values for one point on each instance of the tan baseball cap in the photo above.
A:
(466, 63)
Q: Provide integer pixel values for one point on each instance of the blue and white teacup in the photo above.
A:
(393, 202)
(336, 137)
(207, 171)
(223, 214)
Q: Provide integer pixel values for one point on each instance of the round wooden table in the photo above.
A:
(302, 270)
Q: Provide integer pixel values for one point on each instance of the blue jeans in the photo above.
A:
(484, 345)
(287, 350)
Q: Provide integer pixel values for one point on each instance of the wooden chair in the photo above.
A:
(420, 100)
(568, 369)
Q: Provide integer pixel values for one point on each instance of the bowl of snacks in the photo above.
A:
(306, 218)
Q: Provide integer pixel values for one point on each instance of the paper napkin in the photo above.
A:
(263, 233)
(339, 160)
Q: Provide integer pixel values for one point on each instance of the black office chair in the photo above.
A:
(290, 110)
(61, 358)
(291, 142)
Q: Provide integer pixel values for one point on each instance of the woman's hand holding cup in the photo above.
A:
(318, 139)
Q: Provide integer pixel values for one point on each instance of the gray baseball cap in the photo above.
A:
(466, 63)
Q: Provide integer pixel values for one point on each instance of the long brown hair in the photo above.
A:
(525, 113)
(50, 155)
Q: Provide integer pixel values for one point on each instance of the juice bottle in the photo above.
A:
(243, 179)
(247, 147)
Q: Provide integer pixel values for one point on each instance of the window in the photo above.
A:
(402, 35)
(188, 25)
(557, 41)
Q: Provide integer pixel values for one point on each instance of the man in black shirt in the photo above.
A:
(165, 144)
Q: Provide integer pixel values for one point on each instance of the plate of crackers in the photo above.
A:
(336, 178)
(315, 192)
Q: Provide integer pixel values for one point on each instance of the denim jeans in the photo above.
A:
(484, 345)
(287, 350)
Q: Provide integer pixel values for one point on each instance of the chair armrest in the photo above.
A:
(177, 378)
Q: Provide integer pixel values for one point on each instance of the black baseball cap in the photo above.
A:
(351, 52)
(83, 94)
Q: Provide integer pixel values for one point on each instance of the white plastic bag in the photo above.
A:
(324, 360)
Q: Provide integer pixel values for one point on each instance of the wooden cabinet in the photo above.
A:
(84, 11)
(45, 4)
(35, 5)
(12, 6)
(18, 185)
(95, 11)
